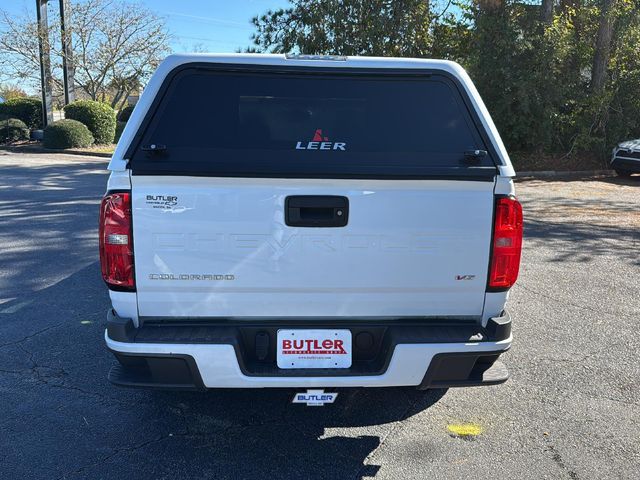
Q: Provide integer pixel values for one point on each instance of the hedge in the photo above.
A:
(12, 130)
(67, 134)
(27, 109)
(125, 113)
(99, 118)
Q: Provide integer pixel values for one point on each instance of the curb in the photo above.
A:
(545, 174)
(36, 149)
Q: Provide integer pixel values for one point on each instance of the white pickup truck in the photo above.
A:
(309, 221)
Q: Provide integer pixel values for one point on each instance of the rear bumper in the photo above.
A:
(197, 357)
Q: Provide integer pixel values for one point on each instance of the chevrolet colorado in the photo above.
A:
(309, 221)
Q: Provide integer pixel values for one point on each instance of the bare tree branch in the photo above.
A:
(116, 47)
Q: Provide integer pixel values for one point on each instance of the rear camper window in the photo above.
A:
(212, 122)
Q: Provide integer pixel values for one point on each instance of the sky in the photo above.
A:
(210, 25)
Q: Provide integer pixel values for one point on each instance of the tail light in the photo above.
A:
(116, 242)
(507, 244)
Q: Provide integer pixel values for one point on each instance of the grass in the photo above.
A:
(97, 149)
(36, 147)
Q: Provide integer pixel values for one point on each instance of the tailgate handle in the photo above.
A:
(316, 211)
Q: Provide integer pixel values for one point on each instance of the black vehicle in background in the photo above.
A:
(626, 158)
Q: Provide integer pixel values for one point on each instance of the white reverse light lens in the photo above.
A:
(117, 239)
(501, 242)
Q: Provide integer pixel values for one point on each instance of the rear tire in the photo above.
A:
(623, 173)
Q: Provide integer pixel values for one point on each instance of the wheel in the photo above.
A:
(623, 173)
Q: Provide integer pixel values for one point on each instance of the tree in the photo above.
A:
(546, 11)
(116, 47)
(532, 61)
(9, 91)
(346, 27)
(603, 45)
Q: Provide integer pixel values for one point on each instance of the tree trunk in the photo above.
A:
(603, 46)
(123, 102)
(546, 11)
(490, 5)
(116, 98)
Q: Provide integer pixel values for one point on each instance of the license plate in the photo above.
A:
(314, 348)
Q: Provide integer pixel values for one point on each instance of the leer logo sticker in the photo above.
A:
(321, 142)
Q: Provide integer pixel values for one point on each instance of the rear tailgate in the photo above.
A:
(211, 233)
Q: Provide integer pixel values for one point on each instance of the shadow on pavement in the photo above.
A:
(62, 419)
(632, 181)
(585, 223)
(49, 223)
(268, 436)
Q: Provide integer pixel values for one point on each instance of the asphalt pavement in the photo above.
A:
(570, 409)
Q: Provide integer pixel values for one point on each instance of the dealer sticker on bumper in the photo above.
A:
(314, 348)
(315, 398)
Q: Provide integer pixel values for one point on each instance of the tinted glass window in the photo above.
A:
(269, 123)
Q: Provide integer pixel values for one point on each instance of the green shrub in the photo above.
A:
(27, 109)
(125, 113)
(119, 128)
(67, 134)
(12, 130)
(99, 118)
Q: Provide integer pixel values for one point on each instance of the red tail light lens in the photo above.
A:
(116, 242)
(507, 244)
